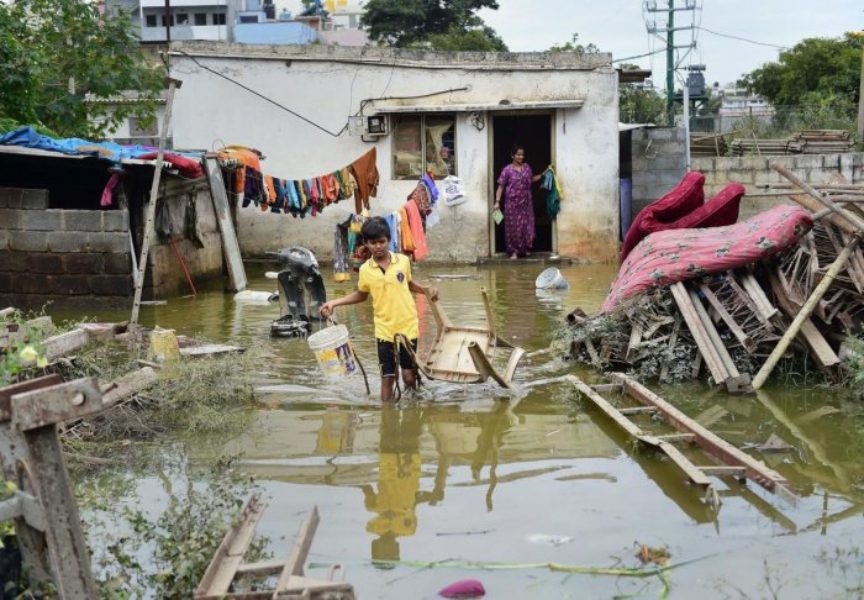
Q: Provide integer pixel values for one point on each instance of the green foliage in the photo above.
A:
(55, 52)
(141, 554)
(640, 105)
(24, 353)
(574, 46)
(824, 66)
(477, 39)
(403, 23)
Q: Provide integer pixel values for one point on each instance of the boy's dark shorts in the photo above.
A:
(387, 357)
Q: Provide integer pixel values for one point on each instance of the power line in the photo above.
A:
(639, 55)
(735, 37)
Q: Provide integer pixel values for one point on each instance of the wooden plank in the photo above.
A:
(230, 246)
(803, 314)
(726, 317)
(128, 385)
(229, 555)
(8, 312)
(63, 344)
(48, 406)
(637, 410)
(8, 391)
(693, 474)
(720, 471)
(712, 444)
(700, 336)
(635, 338)
(150, 212)
(297, 559)
(673, 339)
(714, 336)
(711, 415)
(209, 350)
(677, 437)
(822, 350)
(763, 305)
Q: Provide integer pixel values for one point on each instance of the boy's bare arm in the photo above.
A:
(354, 297)
(416, 288)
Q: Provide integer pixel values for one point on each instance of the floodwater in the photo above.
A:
(474, 474)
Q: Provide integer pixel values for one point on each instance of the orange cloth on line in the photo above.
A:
(405, 238)
(365, 170)
(415, 223)
(331, 188)
(271, 189)
(244, 155)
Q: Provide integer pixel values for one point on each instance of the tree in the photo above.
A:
(478, 39)
(53, 53)
(637, 104)
(404, 23)
(824, 66)
(574, 46)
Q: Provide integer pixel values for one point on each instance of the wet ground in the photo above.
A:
(473, 474)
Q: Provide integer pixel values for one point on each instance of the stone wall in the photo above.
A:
(754, 172)
(58, 252)
(658, 163)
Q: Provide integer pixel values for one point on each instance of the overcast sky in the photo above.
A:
(618, 26)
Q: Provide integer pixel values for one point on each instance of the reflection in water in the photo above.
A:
(398, 482)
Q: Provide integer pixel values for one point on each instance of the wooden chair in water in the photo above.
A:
(464, 354)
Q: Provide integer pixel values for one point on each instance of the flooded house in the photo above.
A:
(314, 109)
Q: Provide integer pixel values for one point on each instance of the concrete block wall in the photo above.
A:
(47, 252)
(755, 172)
(658, 155)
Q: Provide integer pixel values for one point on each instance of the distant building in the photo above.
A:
(739, 103)
(336, 22)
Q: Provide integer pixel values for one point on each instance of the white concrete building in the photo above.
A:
(562, 107)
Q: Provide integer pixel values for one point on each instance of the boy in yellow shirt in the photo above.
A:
(387, 277)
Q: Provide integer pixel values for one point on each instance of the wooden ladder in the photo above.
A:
(729, 460)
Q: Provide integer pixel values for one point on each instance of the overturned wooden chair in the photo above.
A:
(465, 354)
(227, 571)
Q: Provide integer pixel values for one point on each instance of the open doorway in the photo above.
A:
(534, 133)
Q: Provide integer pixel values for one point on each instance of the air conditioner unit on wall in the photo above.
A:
(370, 125)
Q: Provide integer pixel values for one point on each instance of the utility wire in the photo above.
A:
(639, 55)
(266, 98)
(735, 37)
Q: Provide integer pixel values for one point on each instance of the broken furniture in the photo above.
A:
(228, 575)
(465, 354)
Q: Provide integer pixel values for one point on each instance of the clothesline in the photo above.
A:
(299, 197)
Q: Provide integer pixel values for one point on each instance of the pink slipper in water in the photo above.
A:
(465, 588)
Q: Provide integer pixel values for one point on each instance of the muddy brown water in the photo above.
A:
(473, 474)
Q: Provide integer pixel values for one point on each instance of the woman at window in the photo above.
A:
(514, 184)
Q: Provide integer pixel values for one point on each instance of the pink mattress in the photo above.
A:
(673, 255)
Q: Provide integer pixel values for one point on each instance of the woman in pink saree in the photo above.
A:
(514, 184)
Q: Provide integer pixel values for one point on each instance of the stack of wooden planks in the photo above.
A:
(735, 326)
(823, 141)
(708, 144)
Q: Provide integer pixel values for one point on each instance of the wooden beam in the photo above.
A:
(815, 296)
(297, 559)
(229, 556)
(230, 247)
(700, 335)
(63, 344)
(150, 213)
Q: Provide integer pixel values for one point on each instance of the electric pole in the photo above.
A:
(861, 102)
(670, 29)
(670, 65)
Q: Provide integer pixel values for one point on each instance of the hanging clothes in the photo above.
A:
(394, 232)
(431, 187)
(407, 239)
(553, 192)
(420, 196)
(341, 270)
(415, 226)
(365, 171)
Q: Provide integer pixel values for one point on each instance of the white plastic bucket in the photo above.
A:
(333, 350)
(551, 279)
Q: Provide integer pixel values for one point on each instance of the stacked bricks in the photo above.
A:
(755, 172)
(58, 252)
(659, 163)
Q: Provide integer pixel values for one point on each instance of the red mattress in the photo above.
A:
(683, 199)
(673, 255)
